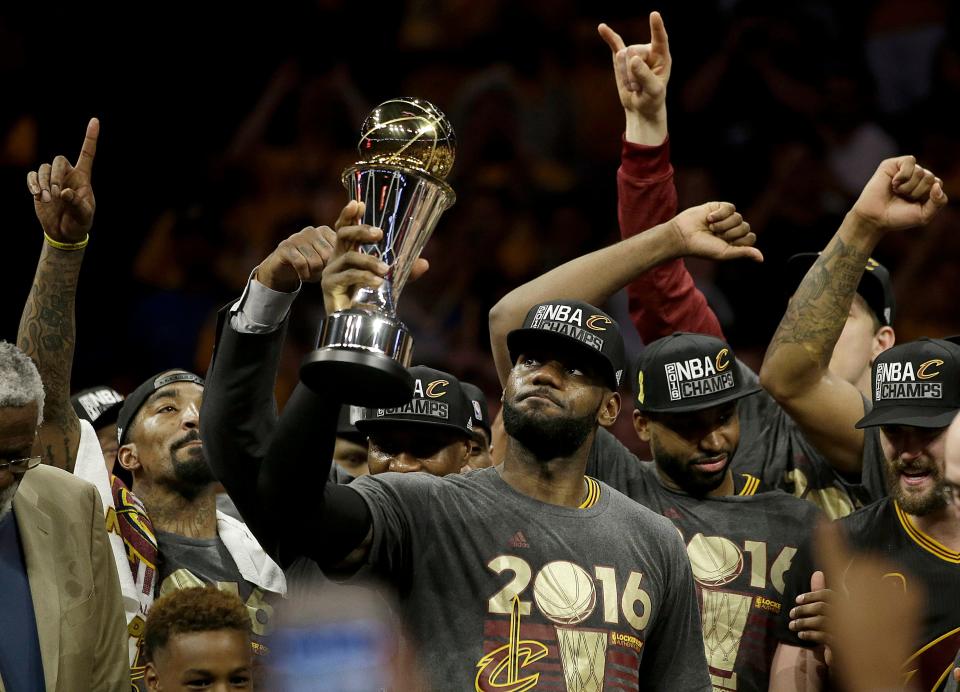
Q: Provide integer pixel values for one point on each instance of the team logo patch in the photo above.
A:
(723, 359)
(697, 377)
(595, 321)
(922, 370)
(900, 380)
(640, 392)
(431, 389)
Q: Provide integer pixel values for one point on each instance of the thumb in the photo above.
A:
(817, 581)
(420, 267)
(745, 252)
(936, 200)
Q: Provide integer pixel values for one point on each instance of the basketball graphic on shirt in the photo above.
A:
(564, 592)
(714, 560)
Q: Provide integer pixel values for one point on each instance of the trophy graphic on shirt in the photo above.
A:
(407, 148)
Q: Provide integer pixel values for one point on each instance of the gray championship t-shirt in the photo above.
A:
(740, 548)
(501, 591)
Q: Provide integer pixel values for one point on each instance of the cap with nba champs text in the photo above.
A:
(438, 401)
(916, 384)
(688, 372)
(98, 405)
(589, 329)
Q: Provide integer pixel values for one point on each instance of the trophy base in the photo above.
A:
(362, 360)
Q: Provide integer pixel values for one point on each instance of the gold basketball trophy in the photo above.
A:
(407, 148)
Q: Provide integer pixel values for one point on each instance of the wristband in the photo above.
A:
(67, 246)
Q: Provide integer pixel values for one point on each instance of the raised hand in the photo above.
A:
(900, 195)
(714, 230)
(642, 70)
(349, 269)
(301, 257)
(62, 194)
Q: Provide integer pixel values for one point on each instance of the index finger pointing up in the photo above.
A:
(89, 149)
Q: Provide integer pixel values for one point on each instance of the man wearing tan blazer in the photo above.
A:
(62, 626)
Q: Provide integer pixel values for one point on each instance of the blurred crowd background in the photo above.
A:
(224, 128)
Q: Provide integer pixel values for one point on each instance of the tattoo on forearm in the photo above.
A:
(48, 334)
(818, 310)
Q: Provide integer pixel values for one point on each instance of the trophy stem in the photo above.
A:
(362, 359)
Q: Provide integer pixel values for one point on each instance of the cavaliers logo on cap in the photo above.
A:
(723, 359)
(594, 322)
(922, 371)
(431, 389)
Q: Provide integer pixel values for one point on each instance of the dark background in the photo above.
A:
(224, 129)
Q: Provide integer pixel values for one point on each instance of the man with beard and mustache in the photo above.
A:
(161, 448)
(508, 575)
(740, 543)
(916, 395)
(158, 430)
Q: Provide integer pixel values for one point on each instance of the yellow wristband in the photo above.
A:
(67, 246)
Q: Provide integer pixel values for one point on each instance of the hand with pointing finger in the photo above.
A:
(63, 195)
(642, 72)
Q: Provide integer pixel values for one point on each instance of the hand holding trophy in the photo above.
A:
(407, 148)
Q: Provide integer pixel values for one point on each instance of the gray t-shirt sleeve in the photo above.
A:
(391, 497)
(675, 657)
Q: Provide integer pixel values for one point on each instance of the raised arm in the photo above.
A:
(239, 413)
(796, 371)
(714, 230)
(664, 299)
(64, 203)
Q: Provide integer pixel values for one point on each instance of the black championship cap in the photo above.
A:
(478, 409)
(688, 372)
(916, 383)
(575, 323)
(875, 286)
(438, 401)
(99, 406)
(139, 396)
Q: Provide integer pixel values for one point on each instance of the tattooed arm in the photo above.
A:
(796, 369)
(64, 202)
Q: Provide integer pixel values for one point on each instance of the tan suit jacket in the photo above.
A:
(73, 583)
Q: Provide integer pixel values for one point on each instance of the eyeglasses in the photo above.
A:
(952, 493)
(20, 465)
